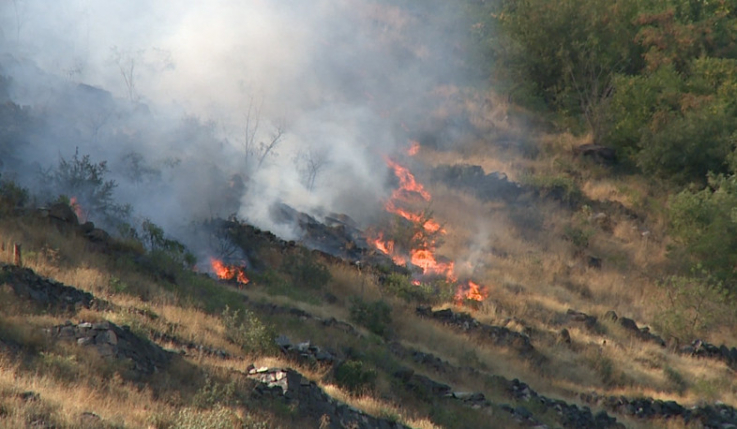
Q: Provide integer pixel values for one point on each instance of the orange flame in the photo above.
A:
(414, 148)
(228, 272)
(471, 292)
(81, 215)
(424, 256)
(407, 182)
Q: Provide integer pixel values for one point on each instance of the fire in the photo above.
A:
(407, 182)
(424, 256)
(228, 272)
(81, 215)
(471, 291)
(414, 148)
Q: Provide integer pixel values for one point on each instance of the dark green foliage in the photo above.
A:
(704, 223)
(304, 269)
(567, 52)
(354, 376)
(12, 197)
(158, 245)
(674, 125)
(375, 316)
(16, 124)
(84, 180)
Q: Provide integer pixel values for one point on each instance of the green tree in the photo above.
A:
(569, 51)
(704, 225)
(84, 180)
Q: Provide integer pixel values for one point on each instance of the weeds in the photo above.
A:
(354, 376)
(248, 332)
(375, 316)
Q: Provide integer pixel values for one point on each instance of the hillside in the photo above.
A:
(408, 245)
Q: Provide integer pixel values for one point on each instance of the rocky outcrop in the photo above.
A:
(499, 335)
(703, 349)
(46, 293)
(310, 400)
(717, 416)
(569, 415)
(472, 178)
(305, 351)
(273, 309)
(110, 340)
(630, 326)
(589, 322)
(597, 153)
(189, 347)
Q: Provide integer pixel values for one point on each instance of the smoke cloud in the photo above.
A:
(226, 107)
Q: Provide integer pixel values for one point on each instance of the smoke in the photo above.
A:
(227, 106)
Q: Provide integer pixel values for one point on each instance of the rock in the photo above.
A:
(594, 262)
(565, 336)
(577, 316)
(628, 324)
(283, 341)
(46, 293)
(98, 235)
(86, 227)
(64, 213)
(597, 153)
(309, 400)
(611, 316)
(114, 342)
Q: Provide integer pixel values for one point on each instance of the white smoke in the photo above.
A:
(193, 83)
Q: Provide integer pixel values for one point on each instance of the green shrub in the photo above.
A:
(694, 305)
(12, 196)
(428, 292)
(354, 376)
(704, 224)
(213, 393)
(84, 180)
(561, 188)
(375, 316)
(305, 270)
(248, 332)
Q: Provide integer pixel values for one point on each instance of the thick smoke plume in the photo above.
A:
(224, 107)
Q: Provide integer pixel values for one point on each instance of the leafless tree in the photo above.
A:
(20, 8)
(309, 164)
(258, 151)
(127, 60)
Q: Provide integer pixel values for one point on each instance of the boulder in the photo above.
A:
(64, 213)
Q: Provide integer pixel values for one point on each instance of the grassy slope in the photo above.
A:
(535, 274)
(524, 254)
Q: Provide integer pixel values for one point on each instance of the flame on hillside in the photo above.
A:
(228, 272)
(81, 215)
(424, 255)
(470, 291)
(414, 148)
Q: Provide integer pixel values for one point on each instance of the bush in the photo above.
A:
(375, 316)
(354, 376)
(248, 332)
(695, 305)
(12, 197)
(561, 188)
(304, 270)
(433, 292)
(704, 224)
(84, 180)
(212, 393)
